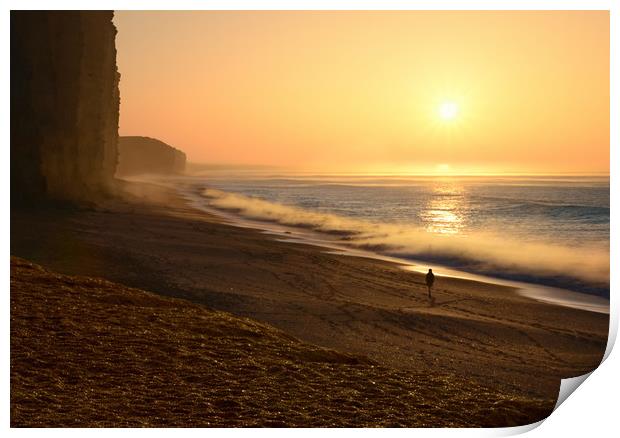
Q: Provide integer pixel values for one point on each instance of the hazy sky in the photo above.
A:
(371, 91)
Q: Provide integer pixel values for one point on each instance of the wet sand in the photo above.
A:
(482, 332)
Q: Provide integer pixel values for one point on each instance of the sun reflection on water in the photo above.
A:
(444, 212)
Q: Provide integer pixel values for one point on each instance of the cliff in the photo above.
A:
(64, 105)
(148, 155)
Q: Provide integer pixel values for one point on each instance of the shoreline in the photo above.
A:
(558, 254)
(155, 241)
(539, 292)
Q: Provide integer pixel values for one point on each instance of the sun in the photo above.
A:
(448, 110)
(443, 168)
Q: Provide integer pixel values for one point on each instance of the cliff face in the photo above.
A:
(64, 105)
(148, 155)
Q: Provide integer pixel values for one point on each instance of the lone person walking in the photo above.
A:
(430, 279)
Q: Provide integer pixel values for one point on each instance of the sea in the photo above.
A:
(550, 230)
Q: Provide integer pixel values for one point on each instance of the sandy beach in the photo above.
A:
(90, 353)
(154, 241)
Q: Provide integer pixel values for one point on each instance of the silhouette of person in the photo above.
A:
(430, 279)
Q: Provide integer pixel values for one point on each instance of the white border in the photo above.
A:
(590, 412)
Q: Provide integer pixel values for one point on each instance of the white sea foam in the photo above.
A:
(492, 252)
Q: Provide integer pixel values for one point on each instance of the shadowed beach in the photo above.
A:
(91, 353)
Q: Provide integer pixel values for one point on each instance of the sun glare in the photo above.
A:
(448, 110)
(443, 168)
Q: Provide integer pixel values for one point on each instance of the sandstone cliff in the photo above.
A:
(64, 105)
(139, 155)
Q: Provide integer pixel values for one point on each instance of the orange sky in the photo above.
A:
(361, 91)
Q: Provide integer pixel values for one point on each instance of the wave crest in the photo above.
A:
(584, 268)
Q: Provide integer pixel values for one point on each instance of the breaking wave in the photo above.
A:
(584, 268)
